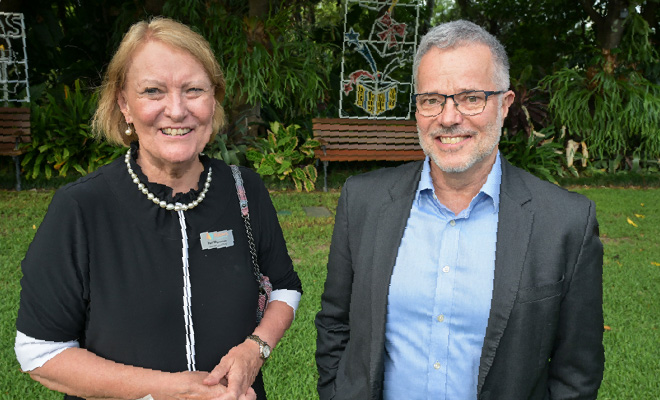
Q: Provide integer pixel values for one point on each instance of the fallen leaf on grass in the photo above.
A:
(607, 328)
(34, 227)
(640, 216)
(655, 263)
(630, 221)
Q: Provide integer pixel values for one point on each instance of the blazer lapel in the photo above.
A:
(393, 217)
(513, 233)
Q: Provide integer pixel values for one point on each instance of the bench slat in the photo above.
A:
(12, 139)
(363, 128)
(14, 122)
(13, 132)
(362, 121)
(373, 155)
(386, 140)
(372, 146)
(355, 133)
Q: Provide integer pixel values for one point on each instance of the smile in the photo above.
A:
(175, 132)
(451, 140)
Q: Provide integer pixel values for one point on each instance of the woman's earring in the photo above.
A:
(128, 131)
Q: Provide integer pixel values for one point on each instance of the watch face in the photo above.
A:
(266, 351)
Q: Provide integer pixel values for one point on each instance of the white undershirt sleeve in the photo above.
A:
(32, 353)
(290, 297)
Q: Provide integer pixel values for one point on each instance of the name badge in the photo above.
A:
(216, 240)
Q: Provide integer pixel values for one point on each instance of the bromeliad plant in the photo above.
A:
(279, 155)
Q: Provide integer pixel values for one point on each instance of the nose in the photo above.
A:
(176, 108)
(450, 116)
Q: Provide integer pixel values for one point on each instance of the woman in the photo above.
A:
(140, 275)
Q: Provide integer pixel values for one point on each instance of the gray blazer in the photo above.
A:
(545, 328)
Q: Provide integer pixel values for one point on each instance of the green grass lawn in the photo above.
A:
(631, 286)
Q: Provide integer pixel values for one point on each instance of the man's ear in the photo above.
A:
(509, 96)
(123, 106)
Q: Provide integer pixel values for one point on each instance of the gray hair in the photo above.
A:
(462, 33)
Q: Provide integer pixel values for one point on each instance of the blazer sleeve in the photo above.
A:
(577, 361)
(332, 321)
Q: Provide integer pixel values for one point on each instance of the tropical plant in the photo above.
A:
(539, 153)
(231, 153)
(529, 107)
(267, 59)
(279, 155)
(615, 115)
(611, 105)
(61, 136)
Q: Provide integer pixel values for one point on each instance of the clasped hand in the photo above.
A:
(237, 370)
(231, 379)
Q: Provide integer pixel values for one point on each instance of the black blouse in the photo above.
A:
(105, 268)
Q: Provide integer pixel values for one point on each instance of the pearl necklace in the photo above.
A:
(159, 202)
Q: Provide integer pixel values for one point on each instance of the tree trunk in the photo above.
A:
(258, 9)
(430, 11)
(609, 27)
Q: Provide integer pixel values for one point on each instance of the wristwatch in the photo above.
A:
(264, 348)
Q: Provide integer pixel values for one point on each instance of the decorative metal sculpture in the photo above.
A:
(14, 86)
(376, 69)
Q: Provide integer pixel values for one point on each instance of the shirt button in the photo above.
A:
(452, 222)
(441, 318)
(445, 269)
(436, 365)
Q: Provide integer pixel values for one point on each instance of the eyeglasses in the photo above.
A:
(470, 102)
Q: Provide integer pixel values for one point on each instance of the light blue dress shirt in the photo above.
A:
(440, 295)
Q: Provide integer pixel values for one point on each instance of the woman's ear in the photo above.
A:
(123, 106)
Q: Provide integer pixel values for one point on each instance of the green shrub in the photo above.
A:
(222, 148)
(61, 136)
(279, 155)
(537, 153)
(610, 103)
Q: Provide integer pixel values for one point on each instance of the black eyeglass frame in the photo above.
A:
(488, 93)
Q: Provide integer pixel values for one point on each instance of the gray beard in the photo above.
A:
(474, 158)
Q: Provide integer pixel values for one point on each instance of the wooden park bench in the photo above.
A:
(14, 130)
(345, 139)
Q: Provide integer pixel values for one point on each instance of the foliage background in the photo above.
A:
(588, 70)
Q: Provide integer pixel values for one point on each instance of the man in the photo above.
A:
(461, 277)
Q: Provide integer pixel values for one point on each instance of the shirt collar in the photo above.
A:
(491, 188)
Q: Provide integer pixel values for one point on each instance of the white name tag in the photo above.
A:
(216, 240)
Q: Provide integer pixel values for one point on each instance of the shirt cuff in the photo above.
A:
(32, 353)
(290, 297)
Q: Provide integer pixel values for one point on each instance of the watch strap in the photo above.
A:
(262, 345)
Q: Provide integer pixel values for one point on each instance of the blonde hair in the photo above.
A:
(108, 121)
